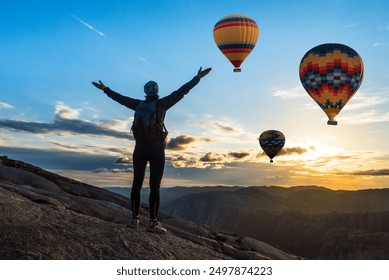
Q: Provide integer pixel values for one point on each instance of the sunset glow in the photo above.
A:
(52, 116)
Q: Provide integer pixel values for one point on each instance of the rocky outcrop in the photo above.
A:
(47, 216)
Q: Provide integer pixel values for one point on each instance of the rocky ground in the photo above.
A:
(46, 216)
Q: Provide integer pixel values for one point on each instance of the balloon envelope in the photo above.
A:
(271, 142)
(236, 36)
(331, 74)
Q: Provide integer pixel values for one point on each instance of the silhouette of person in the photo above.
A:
(152, 152)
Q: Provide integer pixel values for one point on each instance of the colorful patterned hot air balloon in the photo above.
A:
(271, 142)
(331, 74)
(236, 36)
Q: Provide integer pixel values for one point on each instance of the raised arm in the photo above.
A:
(170, 100)
(129, 102)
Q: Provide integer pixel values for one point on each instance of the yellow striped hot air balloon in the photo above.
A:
(236, 36)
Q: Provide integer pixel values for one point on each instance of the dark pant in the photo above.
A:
(155, 155)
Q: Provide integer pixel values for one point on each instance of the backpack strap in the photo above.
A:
(159, 116)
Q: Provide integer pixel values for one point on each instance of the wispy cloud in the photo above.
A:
(145, 61)
(60, 159)
(291, 93)
(6, 105)
(113, 170)
(380, 44)
(350, 25)
(221, 127)
(66, 122)
(89, 26)
(371, 116)
(371, 172)
(105, 36)
(369, 98)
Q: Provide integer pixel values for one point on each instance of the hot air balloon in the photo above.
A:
(331, 74)
(271, 142)
(236, 36)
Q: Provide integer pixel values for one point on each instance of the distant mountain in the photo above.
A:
(313, 222)
(47, 216)
(169, 194)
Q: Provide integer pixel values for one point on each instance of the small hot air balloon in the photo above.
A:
(271, 142)
(236, 36)
(331, 74)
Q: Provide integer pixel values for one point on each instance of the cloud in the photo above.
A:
(91, 149)
(57, 159)
(63, 126)
(65, 112)
(212, 157)
(288, 151)
(114, 170)
(6, 105)
(183, 161)
(291, 93)
(64, 123)
(180, 143)
(372, 172)
(88, 26)
(350, 25)
(369, 98)
(371, 116)
(380, 44)
(123, 161)
(212, 160)
(209, 160)
(225, 128)
(291, 151)
(238, 155)
(183, 142)
(65, 146)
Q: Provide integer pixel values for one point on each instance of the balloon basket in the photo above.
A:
(332, 122)
(237, 70)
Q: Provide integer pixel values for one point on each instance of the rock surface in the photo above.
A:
(47, 216)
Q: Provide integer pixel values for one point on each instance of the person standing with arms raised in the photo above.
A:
(150, 141)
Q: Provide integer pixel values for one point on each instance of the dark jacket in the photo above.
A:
(163, 104)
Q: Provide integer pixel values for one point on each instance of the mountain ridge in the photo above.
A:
(313, 222)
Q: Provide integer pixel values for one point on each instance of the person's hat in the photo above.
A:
(151, 88)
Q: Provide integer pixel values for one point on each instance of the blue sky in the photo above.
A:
(51, 115)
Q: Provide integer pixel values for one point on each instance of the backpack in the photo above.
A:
(146, 126)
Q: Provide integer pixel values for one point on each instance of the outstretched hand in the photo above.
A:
(99, 85)
(202, 73)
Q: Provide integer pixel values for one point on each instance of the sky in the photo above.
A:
(52, 116)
